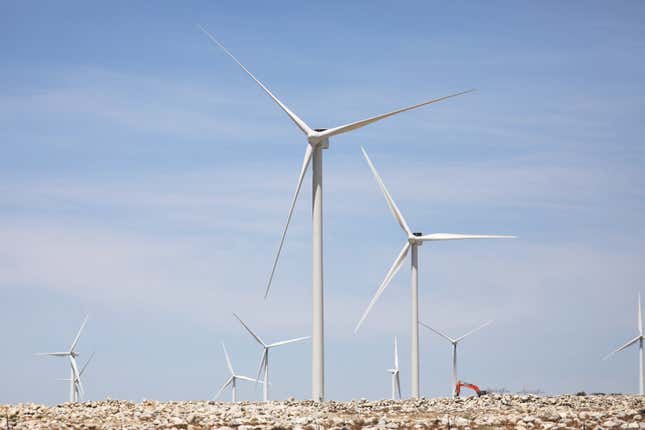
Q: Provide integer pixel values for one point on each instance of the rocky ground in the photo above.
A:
(488, 412)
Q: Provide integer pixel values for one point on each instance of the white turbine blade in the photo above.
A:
(358, 124)
(296, 120)
(75, 371)
(396, 354)
(85, 365)
(79, 384)
(398, 384)
(451, 236)
(445, 336)
(226, 384)
(303, 170)
(628, 344)
(388, 198)
(640, 316)
(228, 360)
(262, 364)
(284, 342)
(246, 378)
(474, 330)
(388, 277)
(249, 330)
(53, 354)
(78, 335)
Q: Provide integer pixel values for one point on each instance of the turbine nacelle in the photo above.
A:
(415, 238)
(317, 138)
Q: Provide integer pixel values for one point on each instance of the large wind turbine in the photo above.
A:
(71, 354)
(79, 391)
(638, 339)
(264, 362)
(454, 343)
(317, 140)
(413, 241)
(396, 380)
(232, 380)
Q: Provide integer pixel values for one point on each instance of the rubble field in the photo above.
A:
(517, 412)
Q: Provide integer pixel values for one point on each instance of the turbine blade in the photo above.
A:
(246, 378)
(53, 354)
(388, 277)
(296, 120)
(86, 363)
(284, 342)
(262, 364)
(451, 236)
(388, 198)
(396, 354)
(474, 330)
(445, 336)
(226, 384)
(628, 344)
(78, 335)
(249, 330)
(358, 124)
(303, 170)
(640, 316)
(80, 389)
(398, 384)
(228, 360)
(72, 361)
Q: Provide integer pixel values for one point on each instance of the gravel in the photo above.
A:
(492, 412)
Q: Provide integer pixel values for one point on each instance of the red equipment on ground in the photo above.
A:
(473, 387)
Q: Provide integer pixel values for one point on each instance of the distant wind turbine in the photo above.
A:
(79, 391)
(638, 339)
(413, 241)
(71, 354)
(317, 140)
(396, 380)
(454, 343)
(264, 362)
(232, 380)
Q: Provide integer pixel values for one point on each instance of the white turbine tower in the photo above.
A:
(413, 241)
(317, 140)
(396, 380)
(638, 339)
(232, 380)
(454, 343)
(71, 354)
(264, 362)
(79, 391)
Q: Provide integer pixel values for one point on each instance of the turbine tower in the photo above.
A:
(454, 343)
(638, 339)
(232, 380)
(71, 354)
(317, 141)
(413, 242)
(396, 381)
(264, 362)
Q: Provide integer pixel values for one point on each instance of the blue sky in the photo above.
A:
(145, 180)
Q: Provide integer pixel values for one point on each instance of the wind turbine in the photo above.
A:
(396, 381)
(454, 343)
(638, 339)
(232, 380)
(71, 354)
(79, 391)
(317, 140)
(264, 362)
(413, 241)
